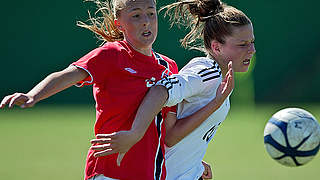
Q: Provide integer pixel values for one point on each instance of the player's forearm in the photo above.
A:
(186, 125)
(56, 82)
(51, 85)
(148, 109)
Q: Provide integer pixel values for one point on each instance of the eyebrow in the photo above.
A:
(247, 40)
(136, 9)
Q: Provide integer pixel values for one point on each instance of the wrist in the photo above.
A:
(34, 98)
(136, 135)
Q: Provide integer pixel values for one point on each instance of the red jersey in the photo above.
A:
(121, 77)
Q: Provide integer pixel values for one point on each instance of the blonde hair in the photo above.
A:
(207, 20)
(102, 24)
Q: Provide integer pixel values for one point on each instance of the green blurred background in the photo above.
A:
(50, 141)
(40, 37)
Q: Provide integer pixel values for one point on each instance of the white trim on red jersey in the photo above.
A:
(84, 82)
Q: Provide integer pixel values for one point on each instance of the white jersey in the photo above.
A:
(193, 88)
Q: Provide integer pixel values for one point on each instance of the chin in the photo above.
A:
(242, 70)
(147, 44)
(245, 70)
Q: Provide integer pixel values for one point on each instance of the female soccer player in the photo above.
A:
(121, 71)
(228, 40)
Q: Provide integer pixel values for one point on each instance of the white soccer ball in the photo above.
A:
(292, 137)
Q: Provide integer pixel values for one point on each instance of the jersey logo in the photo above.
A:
(209, 134)
(130, 70)
(150, 82)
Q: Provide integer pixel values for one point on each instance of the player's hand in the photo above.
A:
(226, 86)
(207, 173)
(118, 142)
(20, 99)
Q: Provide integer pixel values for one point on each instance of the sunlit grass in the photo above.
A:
(238, 151)
(51, 142)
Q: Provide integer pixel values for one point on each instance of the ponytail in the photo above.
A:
(207, 20)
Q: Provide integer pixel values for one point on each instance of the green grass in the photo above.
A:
(45, 142)
(51, 142)
(238, 151)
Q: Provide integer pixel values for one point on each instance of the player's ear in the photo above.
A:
(215, 47)
(118, 25)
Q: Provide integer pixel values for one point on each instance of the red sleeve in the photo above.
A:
(174, 68)
(166, 110)
(98, 63)
(172, 65)
(170, 109)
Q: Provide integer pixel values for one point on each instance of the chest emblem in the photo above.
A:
(130, 70)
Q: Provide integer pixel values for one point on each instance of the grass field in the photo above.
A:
(51, 142)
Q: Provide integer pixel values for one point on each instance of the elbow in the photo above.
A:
(160, 90)
(170, 142)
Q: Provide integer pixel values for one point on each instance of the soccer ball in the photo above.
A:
(292, 137)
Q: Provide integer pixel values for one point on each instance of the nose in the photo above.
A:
(145, 20)
(252, 49)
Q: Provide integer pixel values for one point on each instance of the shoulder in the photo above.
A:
(110, 52)
(105, 51)
(106, 55)
(204, 68)
(199, 62)
(111, 48)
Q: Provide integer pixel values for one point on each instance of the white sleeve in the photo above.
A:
(181, 86)
(190, 82)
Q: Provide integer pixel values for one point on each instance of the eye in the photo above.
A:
(151, 12)
(243, 45)
(136, 16)
(246, 44)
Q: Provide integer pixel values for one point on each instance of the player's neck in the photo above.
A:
(224, 70)
(145, 51)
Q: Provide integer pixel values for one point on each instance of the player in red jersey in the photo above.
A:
(227, 38)
(121, 72)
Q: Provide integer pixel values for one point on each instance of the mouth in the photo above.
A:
(146, 33)
(246, 62)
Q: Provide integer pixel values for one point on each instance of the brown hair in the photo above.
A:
(207, 19)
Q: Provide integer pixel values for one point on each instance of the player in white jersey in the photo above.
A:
(201, 89)
(193, 88)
